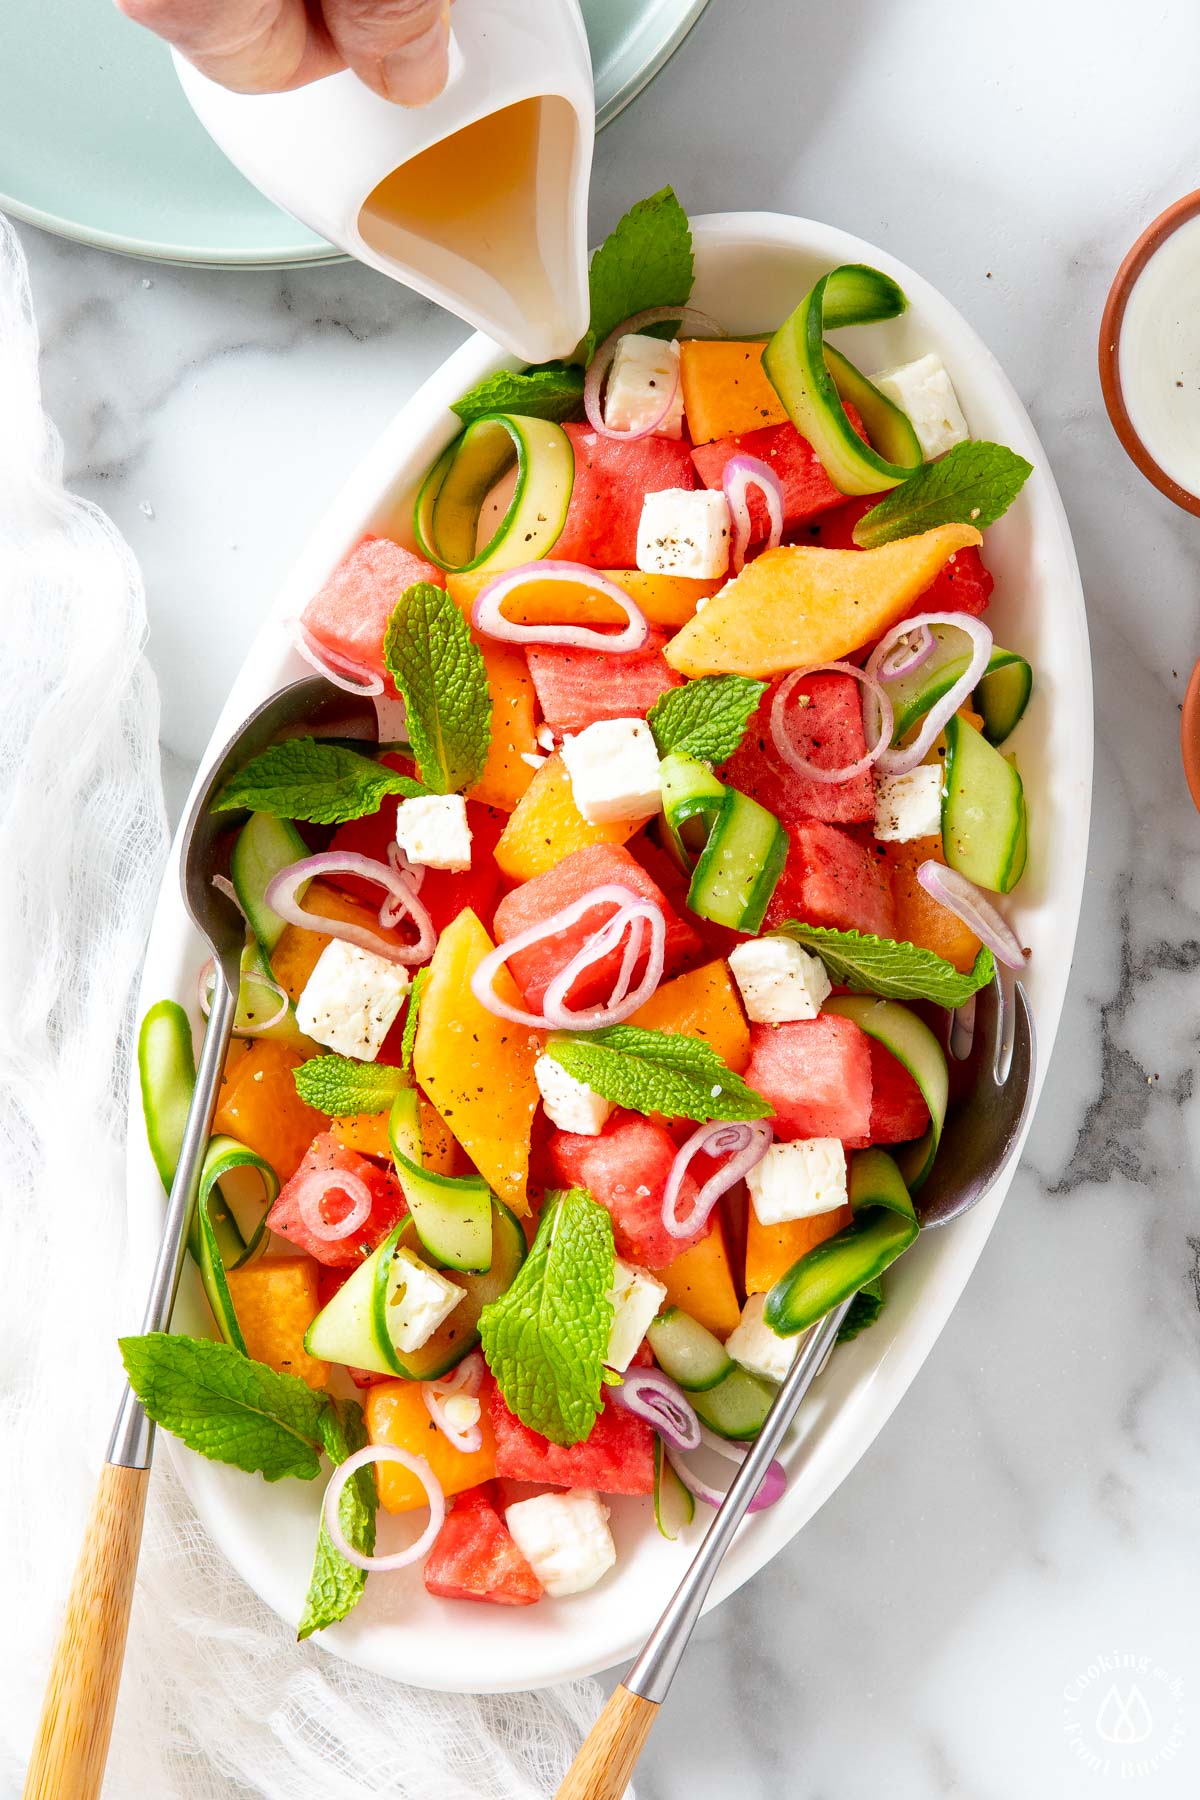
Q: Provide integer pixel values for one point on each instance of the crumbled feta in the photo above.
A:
(684, 531)
(351, 999)
(798, 1180)
(636, 1298)
(759, 1349)
(419, 1299)
(570, 1104)
(779, 980)
(909, 806)
(643, 371)
(564, 1538)
(432, 829)
(613, 766)
(924, 391)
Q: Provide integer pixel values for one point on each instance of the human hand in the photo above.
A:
(397, 47)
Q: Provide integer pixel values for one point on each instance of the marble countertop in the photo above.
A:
(949, 1624)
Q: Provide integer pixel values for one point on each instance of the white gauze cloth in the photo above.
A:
(218, 1700)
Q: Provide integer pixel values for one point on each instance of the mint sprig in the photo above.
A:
(657, 1072)
(537, 393)
(973, 484)
(706, 718)
(439, 669)
(412, 1018)
(341, 1087)
(895, 971)
(303, 778)
(335, 1586)
(545, 1337)
(645, 261)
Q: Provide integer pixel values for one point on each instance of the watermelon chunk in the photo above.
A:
(825, 723)
(535, 967)
(349, 615)
(807, 489)
(625, 1168)
(898, 1109)
(616, 1458)
(577, 687)
(612, 478)
(387, 1204)
(964, 585)
(474, 1556)
(817, 1075)
(831, 879)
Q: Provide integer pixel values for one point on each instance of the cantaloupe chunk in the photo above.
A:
(396, 1414)
(296, 954)
(477, 1069)
(704, 1003)
(800, 605)
(276, 1301)
(920, 919)
(701, 1282)
(726, 390)
(258, 1104)
(505, 776)
(667, 600)
(368, 1134)
(547, 825)
(772, 1249)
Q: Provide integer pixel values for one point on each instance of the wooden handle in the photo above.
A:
(602, 1769)
(71, 1746)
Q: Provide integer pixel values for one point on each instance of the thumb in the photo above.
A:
(400, 48)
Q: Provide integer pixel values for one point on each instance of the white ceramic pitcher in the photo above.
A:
(478, 200)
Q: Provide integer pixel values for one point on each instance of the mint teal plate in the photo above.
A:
(97, 142)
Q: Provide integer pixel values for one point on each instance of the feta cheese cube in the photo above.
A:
(798, 1180)
(570, 1104)
(351, 999)
(643, 371)
(684, 531)
(636, 1298)
(779, 980)
(909, 806)
(564, 1538)
(759, 1349)
(613, 766)
(433, 829)
(924, 391)
(419, 1300)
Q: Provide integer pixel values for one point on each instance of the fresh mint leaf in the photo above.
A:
(865, 1308)
(657, 1072)
(341, 1087)
(545, 1337)
(537, 393)
(335, 1586)
(971, 485)
(705, 718)
(439, 670)
(896, 971)
(226, 1407)
(303, 778)
(412, 1018)
(645, 261)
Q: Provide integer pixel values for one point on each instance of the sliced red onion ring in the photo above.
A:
(269, 984)
(970, 904)
(556, 1013)
(791, 756)
(466, 1380)
(224, 886)
(602, 362)
(653, 1396)
(313, 1189)
(416, 1465)
(281, 898)
(739, 475)
(744, 1143)
(487, 617)
(899, 762)
(351, 677)
(771, 1489)
(908, 653)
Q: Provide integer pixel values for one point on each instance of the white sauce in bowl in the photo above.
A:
(1159, 356)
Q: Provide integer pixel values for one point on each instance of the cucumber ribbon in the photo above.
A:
(454, 492)
(884, 1226)
(733, 848)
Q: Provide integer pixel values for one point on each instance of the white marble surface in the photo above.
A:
(1032, 1504)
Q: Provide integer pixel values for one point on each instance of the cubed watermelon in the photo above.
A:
(387, 1203)
(817, 1075)
(964, 585)
(577, 687)
(832, 879)
(474, 1556)
(625, 1168)
(612, 478)
(898, 1109)
(825, 723)
(596, 866)
(349, 615)
(807, 489)
(616, 1458)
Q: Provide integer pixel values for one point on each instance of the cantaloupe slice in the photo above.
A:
(772, 1249)
(706, 1004)
(663, 599)
(726, 390)
(505, 774)
(920, 919)
(801, 605)
(396, 1413)
(296, 954)
(547, 825)
(259, 1106)
(368, 1134)
(701, 1283)
(275, 1300)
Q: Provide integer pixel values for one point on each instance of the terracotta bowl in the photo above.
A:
(1189, 735)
